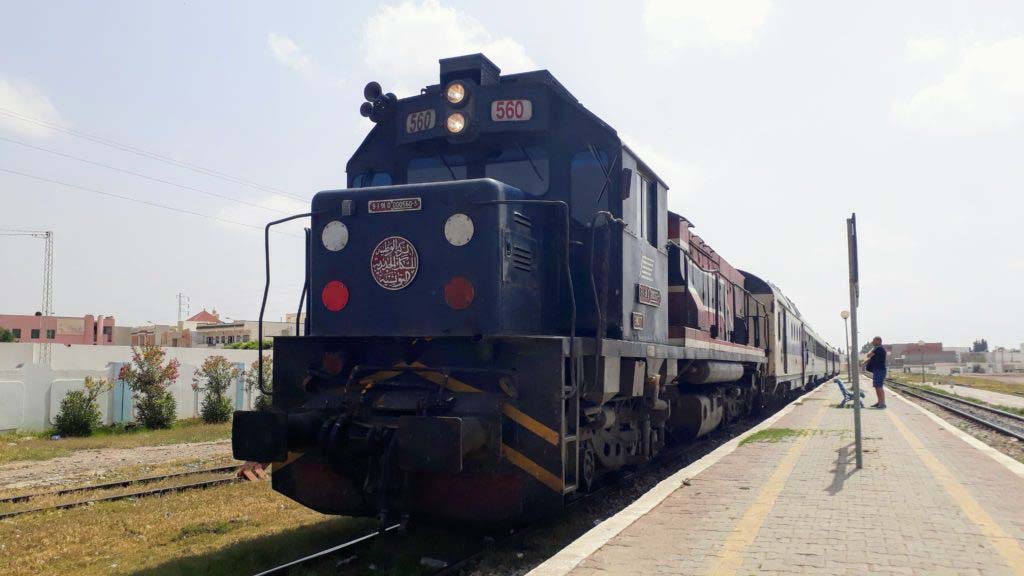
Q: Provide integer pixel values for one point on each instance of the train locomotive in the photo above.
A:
(502, 310)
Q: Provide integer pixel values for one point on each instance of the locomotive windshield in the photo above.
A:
(524, 167)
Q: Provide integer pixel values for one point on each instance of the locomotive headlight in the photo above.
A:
(455, 93)
(456, 122)
(335, 235)
(458, 229)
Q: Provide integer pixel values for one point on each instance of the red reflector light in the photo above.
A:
(335, 296)
(459, 293)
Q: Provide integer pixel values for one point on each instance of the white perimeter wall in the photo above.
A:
(30, 393)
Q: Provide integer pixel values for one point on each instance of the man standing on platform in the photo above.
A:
(876, 365)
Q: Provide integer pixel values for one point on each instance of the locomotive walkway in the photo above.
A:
(929, 500)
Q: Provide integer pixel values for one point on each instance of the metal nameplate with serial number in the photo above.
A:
(648, 295)
(394, 205)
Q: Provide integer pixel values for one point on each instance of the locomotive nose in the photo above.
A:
(436, 259)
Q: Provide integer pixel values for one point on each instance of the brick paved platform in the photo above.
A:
(929, 500)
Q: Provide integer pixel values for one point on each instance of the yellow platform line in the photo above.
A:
(1007, 546)
(746, 530)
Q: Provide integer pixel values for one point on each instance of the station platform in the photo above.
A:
(786, 498)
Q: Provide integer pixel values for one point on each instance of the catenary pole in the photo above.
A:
(854, 354)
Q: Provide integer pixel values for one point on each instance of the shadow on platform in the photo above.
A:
(845, 468)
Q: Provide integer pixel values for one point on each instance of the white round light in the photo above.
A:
(455, 93)
(335, 235)
(456, 123)
(458, 229)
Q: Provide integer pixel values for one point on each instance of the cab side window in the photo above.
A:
(589, 185)
(645, 196)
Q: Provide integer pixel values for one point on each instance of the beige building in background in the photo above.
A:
(219, 335)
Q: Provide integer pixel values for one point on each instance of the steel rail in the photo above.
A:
(962, 400)
(117, 484)
(931, 397)
(136, 494)
(284, 568)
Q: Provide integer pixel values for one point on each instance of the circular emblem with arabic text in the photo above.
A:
(394, 263)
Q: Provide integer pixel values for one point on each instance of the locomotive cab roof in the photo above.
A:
(484, 110)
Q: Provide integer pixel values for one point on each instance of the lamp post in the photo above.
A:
(920, 349)
(845, 315)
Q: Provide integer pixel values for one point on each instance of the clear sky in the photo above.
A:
(771, 121)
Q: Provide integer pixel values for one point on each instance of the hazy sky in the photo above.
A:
(771, 121)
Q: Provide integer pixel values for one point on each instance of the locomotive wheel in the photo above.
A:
(588, 468)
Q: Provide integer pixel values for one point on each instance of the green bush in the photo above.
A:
(156, 410)
(250, 345)
(78, 415)
(216, 409)
(263, 402)
(215, 377)
(149, 378)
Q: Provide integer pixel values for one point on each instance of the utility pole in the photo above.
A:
(854, 352)
(183, 302)
(47, 308)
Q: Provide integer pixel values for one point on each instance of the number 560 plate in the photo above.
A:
(511, 110)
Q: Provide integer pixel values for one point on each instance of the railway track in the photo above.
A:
(669, 459)
(229, 478)
(350, 545)
(999, 420)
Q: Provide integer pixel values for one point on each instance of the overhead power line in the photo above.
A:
(140, 175)
(138, 200)
(145, 153)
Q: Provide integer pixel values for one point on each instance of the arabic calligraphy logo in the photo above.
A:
(394, 263)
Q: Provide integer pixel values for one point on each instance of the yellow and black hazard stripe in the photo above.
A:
(531, 424)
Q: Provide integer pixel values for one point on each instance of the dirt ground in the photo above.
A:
(88, 465)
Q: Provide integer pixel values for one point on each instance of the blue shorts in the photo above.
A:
(878, 378)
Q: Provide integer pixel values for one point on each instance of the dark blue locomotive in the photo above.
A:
(500, 310)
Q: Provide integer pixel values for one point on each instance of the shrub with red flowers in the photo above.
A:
(263, 402)
(149, 378)
(215, 377)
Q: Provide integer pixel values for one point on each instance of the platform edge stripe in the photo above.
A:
(570, 557)
(1005, 545)
(532, 468)
(1011, 464)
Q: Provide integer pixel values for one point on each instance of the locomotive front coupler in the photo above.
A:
(268, 435)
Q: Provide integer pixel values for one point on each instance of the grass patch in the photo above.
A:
(774, 435)
(990, 383)
(38, 446)
(207, 528)
(235, 529)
